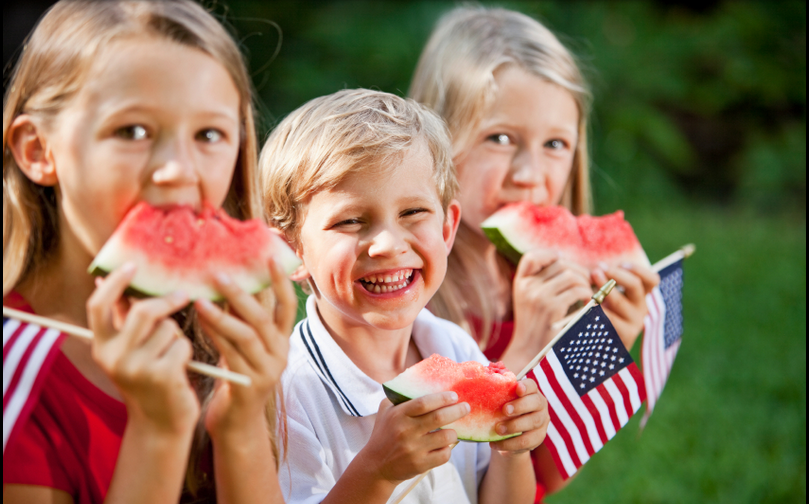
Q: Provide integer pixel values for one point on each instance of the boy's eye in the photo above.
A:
(132, 132)
(210, 135)
(499, 139)
(413, 211)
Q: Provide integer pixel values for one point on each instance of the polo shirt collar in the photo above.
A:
(357, 393)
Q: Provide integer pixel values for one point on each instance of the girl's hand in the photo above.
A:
(545, 287)
(252, 342)
(627, 309)
(529, 415)
(143, 352)
(405, 441)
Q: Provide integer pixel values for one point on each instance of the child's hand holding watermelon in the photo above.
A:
(545, 286)
(407, 440)
(251, 342)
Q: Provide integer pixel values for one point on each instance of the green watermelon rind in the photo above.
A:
(397, 398)
(502, 244)
(142, 293)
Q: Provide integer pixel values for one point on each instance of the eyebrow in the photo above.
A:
(108, 112)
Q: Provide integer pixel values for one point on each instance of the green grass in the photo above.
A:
(731, 423)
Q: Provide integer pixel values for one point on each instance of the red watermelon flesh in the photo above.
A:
(485, 388)
(587, 240)
(176, 248)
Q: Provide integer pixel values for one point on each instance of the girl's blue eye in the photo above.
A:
(210, 135)
(133, 132)
(556, 144)
(499, 139)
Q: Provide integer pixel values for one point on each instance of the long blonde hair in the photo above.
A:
(52, 68)
(455, 77)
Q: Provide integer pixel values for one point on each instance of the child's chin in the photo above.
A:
(389, 321)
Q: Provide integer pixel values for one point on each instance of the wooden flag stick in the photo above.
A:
(597, 298)
(683, 252)
(87, 334)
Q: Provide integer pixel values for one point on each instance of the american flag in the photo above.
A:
(28, 352)
(662, 332)
(593, 387)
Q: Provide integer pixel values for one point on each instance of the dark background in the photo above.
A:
(699, 134)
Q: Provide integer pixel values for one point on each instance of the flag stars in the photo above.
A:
(621, 360)
(612, 366)
(601, 373)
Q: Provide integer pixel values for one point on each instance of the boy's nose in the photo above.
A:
(387, 243)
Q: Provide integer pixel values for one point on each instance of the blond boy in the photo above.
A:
(362, 185)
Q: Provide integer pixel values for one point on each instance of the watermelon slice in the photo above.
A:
(586, 240)
(486, 388)
(176, 248)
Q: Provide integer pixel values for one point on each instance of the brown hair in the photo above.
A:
(320, 143)
(53, 66)
(455, 77)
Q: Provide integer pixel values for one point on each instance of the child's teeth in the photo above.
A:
(377, 289)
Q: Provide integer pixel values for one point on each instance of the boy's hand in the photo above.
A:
(626, 310)
(405, 442)
(529, 415)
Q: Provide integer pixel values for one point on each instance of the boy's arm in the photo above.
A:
(510, 478)
(360, 483)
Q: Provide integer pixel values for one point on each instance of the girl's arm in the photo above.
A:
(543, 290)
(510, 477)
(255, 343)
(140, 349)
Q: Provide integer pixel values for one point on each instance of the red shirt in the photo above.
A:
(71, 439)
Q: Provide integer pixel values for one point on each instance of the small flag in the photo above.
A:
(663, 328)
(593, 387)
(28, 352)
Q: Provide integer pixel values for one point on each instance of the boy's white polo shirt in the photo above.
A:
(331, 407)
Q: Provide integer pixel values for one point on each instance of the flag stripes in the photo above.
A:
(662, 324)
(583, 421)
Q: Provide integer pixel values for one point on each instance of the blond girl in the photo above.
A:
(516, 105)
(113, 103)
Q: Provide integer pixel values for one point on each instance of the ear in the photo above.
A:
(301, 273)
(28, 145)
(451, 222)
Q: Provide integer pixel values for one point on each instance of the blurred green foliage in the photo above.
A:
(699, 133)
(708, 105)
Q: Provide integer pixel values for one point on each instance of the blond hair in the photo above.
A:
(56, 58)
(328, 138)
(455, 77)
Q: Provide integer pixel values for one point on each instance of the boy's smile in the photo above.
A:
(376, 245)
